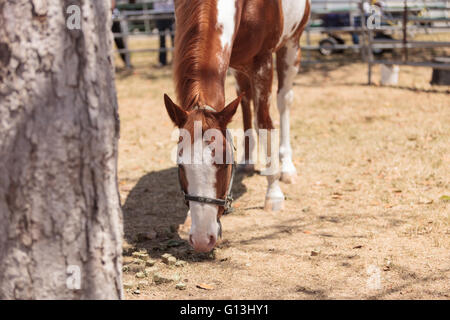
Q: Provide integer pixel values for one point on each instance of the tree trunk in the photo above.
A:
(60, 217)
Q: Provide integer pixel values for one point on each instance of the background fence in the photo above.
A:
(391, 29)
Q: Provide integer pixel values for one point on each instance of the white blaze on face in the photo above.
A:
(293, 11)
(226, 12)
(201, 178)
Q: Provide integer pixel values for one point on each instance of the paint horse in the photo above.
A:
(212, 36)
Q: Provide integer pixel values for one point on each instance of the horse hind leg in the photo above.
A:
(288, 60)
(243, 85)
(262, 75)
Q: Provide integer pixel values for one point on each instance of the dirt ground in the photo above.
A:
(367, 219)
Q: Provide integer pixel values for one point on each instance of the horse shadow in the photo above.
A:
(154, 213)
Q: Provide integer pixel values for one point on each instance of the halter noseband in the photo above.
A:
(225, 203)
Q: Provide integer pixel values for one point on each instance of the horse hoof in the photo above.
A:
(274, 204)
(288, 178)
(246, 168)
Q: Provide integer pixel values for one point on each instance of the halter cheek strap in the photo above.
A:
(219, 233)
(225, 203)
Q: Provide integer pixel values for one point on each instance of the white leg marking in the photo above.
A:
(272, 170)
(274, 190)
(284, 101)
(274, 196)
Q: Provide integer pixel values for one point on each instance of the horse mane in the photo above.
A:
(193, 29)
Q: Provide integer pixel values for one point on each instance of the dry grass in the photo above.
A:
(373, 164)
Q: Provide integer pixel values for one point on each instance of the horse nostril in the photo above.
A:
(212, 240)
(190, 240)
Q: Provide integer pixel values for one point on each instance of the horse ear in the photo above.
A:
(176, 114)
(228, 112)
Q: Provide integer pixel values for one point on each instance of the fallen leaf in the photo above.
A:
(445, 198)
(204, 286)
(425, 201)
(357, 247)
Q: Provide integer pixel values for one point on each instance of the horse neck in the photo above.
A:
(205, 33)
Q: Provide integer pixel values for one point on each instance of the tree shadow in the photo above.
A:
(154, 211)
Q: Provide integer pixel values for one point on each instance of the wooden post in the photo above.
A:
(146, 21)
(367, 44)
(405, 33)
(124, 26)
(308, 43)
(370, 54)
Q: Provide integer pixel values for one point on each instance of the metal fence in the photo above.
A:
(402, 17)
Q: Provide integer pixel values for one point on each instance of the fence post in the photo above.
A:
(125, 33)
(405, 31)
(146, 21)
(308, 43)
(367, 44)
(369, 50)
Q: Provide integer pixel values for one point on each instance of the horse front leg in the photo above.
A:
(243, 86)
(261, 88)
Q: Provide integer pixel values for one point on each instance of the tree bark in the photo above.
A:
(59, 203)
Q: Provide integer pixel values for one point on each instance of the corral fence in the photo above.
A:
(398, 20)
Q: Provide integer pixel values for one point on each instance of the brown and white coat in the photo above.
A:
(212, 36)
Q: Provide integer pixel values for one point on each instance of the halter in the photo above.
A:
(225, 203)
